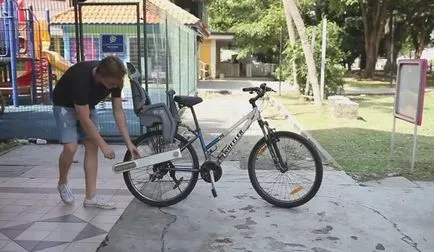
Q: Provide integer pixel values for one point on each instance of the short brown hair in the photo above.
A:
(111, 66)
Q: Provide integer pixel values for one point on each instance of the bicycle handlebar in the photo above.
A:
(260, 92)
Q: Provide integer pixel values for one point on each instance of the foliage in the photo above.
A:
(256, 24)
(334, 57)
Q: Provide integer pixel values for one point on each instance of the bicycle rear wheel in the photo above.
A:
(160, 185)
(298, 177)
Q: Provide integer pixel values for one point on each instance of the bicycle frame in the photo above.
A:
(248, 119)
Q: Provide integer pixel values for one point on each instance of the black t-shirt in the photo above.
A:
(78, 86)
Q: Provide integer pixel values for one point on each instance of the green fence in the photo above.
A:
(168, 58)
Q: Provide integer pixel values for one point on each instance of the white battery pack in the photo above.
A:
(146, 161)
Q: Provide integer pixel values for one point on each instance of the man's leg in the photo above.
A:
(67, 126)
(65, 161)
(91, 171)
(90, 167)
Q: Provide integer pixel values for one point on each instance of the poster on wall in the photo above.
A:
(410, 90)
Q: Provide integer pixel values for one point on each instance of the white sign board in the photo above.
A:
(410, 90)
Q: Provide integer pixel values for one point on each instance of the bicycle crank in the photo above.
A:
(211, 172)
(210, 166)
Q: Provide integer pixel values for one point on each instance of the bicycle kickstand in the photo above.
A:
(213, 191)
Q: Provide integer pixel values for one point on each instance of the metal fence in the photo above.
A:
(168, 56)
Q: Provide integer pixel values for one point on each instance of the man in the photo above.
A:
(80, 88)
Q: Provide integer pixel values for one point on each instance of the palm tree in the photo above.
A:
(292, 39)
(292, 11)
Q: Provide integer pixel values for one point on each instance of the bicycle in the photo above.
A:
(170, 180)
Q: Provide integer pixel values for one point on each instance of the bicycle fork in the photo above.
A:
(271, 141)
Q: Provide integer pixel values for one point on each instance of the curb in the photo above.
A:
(300, 130)
(11, 149)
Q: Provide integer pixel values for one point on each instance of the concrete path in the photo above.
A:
(390, 215)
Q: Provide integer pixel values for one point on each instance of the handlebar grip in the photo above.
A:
(250, 89)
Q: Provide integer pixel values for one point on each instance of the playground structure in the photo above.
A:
(25, 58)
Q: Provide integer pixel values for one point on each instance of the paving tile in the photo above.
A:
(60, 211)
(70, 227)
(86, 214)
(8, 216)
(14, 223)
(65, 218)
(28, 245)
(109, 219)
(88, 232)
(26, 202)
(13, 209)
(6, 195)
(31, 216)
(95, 239)
(38, 209)
(61, 235)
(44, 226)
(82, 247)
(13, 247)
(33, 235)
(55, 248)
(4, 243)
(49, 202)
(50, 244)
(3, 237)
(12, 233)
(104, 226)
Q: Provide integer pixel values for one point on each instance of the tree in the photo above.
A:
(254, 22)
(420, 17)
(292, 38)
(311, 68)
(374, 13)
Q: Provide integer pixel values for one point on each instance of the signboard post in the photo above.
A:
(409, 97)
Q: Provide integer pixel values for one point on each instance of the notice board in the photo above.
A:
(410, 90)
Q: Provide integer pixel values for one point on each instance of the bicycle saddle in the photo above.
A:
(188, 101)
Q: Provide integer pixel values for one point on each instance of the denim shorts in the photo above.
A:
(69, 126)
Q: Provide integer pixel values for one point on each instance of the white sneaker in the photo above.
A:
(99, 202)
(65, 194)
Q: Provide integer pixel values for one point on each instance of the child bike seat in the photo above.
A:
(152, 115)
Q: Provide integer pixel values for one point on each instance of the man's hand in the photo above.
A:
(108, 152)
(133, 151)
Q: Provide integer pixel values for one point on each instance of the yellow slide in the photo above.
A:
(56, 60)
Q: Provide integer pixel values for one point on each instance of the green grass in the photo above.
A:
(362, 146)
(353, 82)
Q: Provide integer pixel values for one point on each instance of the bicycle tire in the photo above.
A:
(193, 180)
(318, 170)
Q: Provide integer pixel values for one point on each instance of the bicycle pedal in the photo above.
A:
(214, 192)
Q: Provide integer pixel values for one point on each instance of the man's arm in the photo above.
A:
(119, 115)
(83, 114)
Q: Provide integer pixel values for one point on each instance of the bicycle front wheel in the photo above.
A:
(291, 181)
(166, 183)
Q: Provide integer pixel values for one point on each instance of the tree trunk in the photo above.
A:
(310, 62)
(374, 13)
(421, 43)
(399, 34)
(292, 39)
